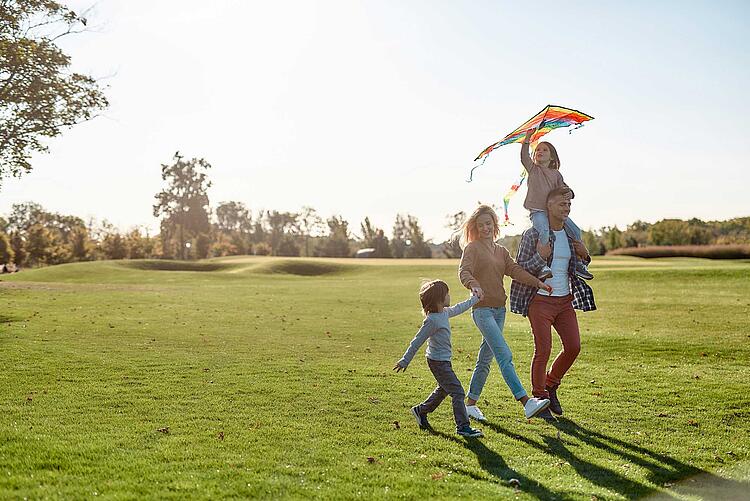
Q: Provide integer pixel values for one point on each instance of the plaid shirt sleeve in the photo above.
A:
(531, 261)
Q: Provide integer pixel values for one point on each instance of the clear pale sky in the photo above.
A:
(370, 108)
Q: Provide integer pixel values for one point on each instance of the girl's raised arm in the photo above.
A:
(528, 164)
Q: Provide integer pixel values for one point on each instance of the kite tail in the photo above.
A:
(506, 199)
(471, 174)
(575, 128)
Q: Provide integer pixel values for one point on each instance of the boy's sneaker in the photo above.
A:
(474, 413)
(469, 432)
(534, 406)
(546, 415)
(583, 272)
(545, 273)
(554, 403)
(421, 418)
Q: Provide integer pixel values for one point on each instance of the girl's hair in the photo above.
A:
(431, 294)
(469, 231)
(554, 161)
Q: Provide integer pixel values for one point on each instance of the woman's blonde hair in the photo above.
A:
(469, 231)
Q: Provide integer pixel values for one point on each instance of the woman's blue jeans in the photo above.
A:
(490, 322)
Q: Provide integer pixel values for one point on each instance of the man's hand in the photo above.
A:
(398, 367)
(544, 250)
(545, 287)
(478, 292)
(580, 249)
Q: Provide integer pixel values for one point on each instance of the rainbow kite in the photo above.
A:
(551, 117)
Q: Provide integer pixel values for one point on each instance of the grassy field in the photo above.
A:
(263, 377)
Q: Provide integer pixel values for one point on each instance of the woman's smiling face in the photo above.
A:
(485, 226)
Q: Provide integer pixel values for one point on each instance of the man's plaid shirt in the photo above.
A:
(531, 261)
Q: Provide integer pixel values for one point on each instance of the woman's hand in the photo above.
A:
(478, 292)
(544, 250)
(398, 367)
(545, 287)
(529, 133)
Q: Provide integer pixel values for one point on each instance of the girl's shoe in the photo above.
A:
(421, 418)
(534, 406)
(545, 273)
(583, 272)
(468, 431)
(474, 413)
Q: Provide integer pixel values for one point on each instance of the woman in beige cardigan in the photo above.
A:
(483, 265)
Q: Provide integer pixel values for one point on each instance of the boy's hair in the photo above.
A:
(554, 161)
(431, 293)
(469, 231)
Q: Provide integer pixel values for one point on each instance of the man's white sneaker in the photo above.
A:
(474, 413)
(534, 406)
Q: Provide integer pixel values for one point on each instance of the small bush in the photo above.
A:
(704, 251)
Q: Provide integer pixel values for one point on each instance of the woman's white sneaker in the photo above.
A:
(474, 413)
(534, 406)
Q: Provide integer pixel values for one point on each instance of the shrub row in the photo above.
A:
(705, 251)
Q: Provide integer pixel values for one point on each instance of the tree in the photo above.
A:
(113, 246)
(18, 244)
(137, 245)
(669, 232)
(398, 241)
(234, 225)
(375, 238)
(39, 95)
(6, 251)
(416, 245)
(309, 223)
(80, 244)
(336, 244)
(44, 246)
(184, 203)
(280, 224)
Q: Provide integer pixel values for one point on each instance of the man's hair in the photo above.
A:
(431, 293)
(561, 191)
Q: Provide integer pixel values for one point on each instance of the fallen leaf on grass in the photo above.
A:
(164, 430)
(692, 422)
(396, 425)
(438, 476)
(374, 400)
(371, 459)
(220, 435)
(662, 414)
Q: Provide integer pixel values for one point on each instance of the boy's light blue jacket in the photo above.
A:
(437, 329)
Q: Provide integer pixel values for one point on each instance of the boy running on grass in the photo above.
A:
(435, 299)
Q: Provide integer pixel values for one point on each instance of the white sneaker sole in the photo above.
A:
(481, 419)
(539, 409)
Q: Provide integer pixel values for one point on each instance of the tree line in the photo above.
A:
(191, 229)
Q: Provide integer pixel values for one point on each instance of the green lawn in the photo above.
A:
(262, 377)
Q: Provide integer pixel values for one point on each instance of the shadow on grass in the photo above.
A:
(491, 462)
(662, 469)
(169, 265)
(6, 319)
